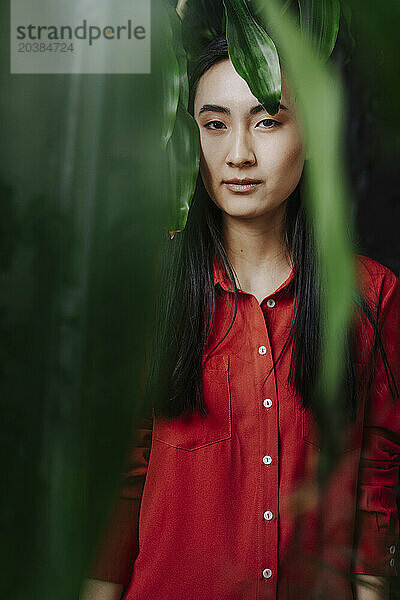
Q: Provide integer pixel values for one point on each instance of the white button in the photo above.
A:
(267, 573)
(268, 515)
(392, 549)
(267, 402)
(271, 302)
(262, 350)
(267, 460)
(391, 562)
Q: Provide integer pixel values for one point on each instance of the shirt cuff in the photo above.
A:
(376, 548)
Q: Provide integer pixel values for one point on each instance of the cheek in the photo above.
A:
(296, 153)
(204, 167)
(209, 162)
(283, 171)
(209, 150)
(288, 157)
(206, 175)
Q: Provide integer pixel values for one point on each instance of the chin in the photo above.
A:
(242, 214)
(240, 201)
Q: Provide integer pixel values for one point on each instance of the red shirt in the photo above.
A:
(218, 508)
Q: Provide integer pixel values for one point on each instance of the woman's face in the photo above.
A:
(240, 140)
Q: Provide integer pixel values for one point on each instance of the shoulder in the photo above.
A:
(373, 274)
(375, 279)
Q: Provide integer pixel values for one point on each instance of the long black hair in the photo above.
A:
(187, 298)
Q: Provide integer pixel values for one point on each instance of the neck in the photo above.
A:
(255, 249)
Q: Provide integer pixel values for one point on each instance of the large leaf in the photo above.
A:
(203, 21)
(253, 54)
(180, 136)
(174, 71)
(170, 78)
(258, 12)
(320, 98)
(183, 153)
(180, 53)
(319, 21)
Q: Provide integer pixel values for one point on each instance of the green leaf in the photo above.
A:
(319, 22)
(320, 104)
(183, 153)
(180, 53)
(253, 54)
(170, 79)
(201, 23)
(181, 135)
(174, 71)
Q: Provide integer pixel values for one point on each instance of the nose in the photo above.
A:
(240, 151)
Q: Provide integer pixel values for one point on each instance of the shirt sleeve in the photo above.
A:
(377, 519)
(119, 544)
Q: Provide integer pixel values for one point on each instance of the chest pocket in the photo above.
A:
(351, 437)
(192, 432)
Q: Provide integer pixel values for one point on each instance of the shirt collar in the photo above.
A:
(221, 279)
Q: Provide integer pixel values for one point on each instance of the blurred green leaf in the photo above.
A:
(327, 201)
(253, 54)
(182, 59)
(171, 74)
(183, 152)
(181, 136)
(319, 22)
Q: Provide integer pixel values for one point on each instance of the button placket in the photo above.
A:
(268, 500)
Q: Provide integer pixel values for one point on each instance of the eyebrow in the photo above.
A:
(226, 111)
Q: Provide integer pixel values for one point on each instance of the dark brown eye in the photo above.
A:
(211, 122)
(272, 123)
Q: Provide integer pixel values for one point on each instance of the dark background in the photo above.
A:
(373, 159)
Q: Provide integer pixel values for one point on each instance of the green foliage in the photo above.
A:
(174, 71)
(183, 152)
(171, 79)
(180, 136)
(327, 201)
(319, 23)
(253, 54)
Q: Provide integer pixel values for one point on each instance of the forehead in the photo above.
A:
(221, 84)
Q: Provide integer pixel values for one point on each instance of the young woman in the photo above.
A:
(220, 500)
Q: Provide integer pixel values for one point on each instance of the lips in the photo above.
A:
(242, 185)
(242, 181)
